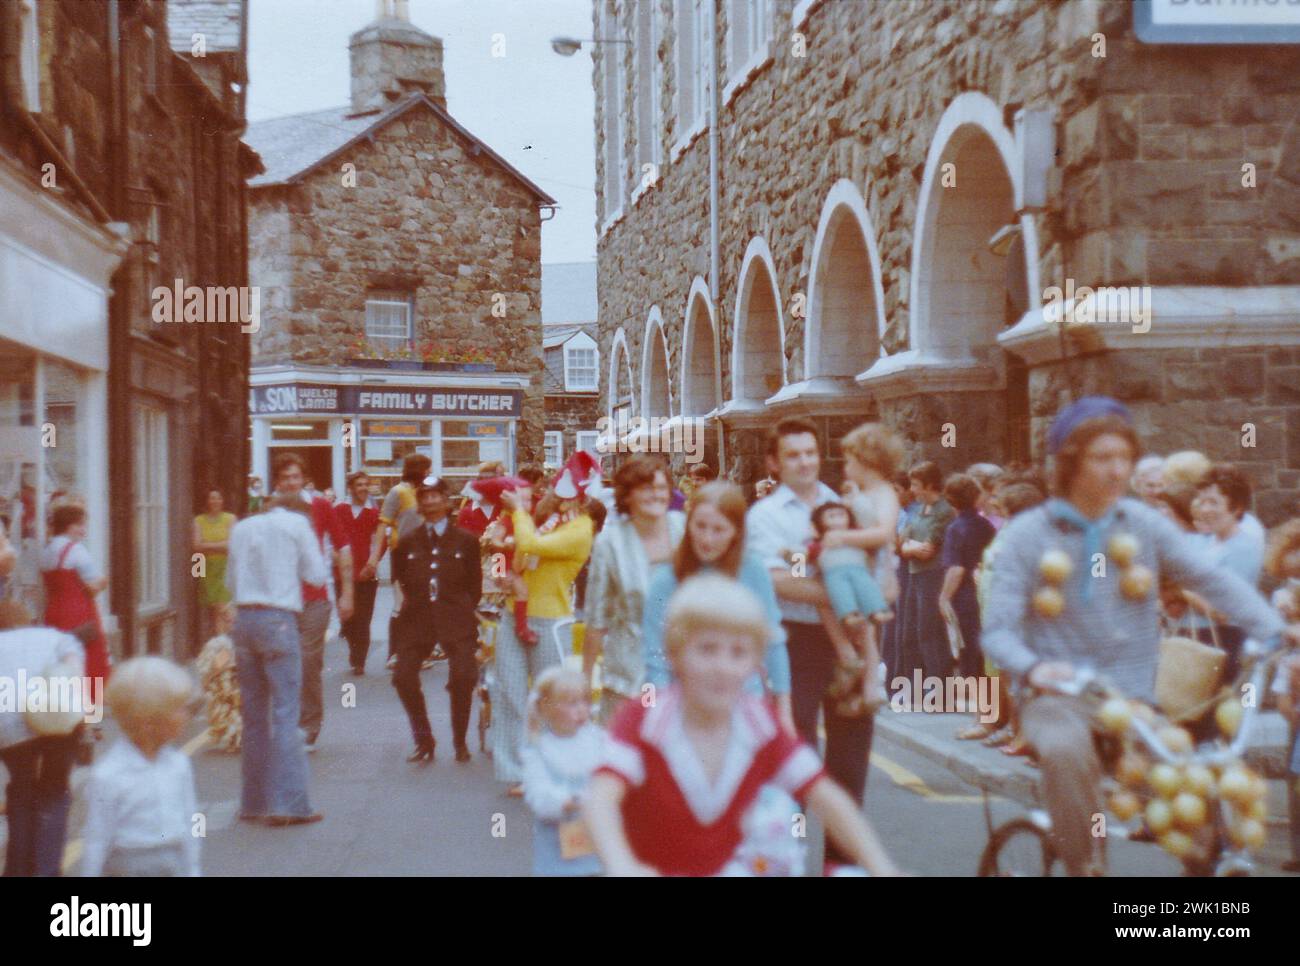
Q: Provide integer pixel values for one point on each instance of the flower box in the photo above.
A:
(409, 365)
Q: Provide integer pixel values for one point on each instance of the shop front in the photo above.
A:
(340, 420)
(55, 270)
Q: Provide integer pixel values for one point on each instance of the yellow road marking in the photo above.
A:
(912, 782)
(72, 851)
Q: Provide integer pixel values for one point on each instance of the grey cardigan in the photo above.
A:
(1117, 637)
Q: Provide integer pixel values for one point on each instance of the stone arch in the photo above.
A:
(846, 300)
(656, 391)
(959, 288)
(701, 382)
(758, 332)
(622, 388)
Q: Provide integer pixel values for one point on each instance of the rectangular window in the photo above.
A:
(747, 33)
(152, 541)
(30, 54)
(580, 370)
(385, 444)
(611, 56)
(465, 445)
(586, 442)
(700, 60)
(647, 90)
(554, 449)
(388, 317)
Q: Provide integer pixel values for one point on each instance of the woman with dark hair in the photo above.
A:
(923, 644)
(72, 579)
(642, 534)
(1222, 499)
(964, 543)
(715, 541)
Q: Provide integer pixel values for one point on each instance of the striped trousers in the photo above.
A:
(516, 665)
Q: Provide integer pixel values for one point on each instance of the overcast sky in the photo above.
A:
(534, 107)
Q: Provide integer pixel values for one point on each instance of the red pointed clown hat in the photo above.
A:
(489, 491)
(580, 472)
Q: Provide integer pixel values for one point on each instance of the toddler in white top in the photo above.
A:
(560, 754)
(141, 802)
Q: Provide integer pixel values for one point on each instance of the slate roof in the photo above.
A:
(292, 147)
(217, 20)
(556, 335)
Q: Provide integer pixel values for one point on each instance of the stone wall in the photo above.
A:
(1234, 405)
(1148, 187)
(425, 216)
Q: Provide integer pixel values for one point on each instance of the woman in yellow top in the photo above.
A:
(561, 545)
(212, 539)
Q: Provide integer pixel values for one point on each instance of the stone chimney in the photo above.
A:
(392, 57)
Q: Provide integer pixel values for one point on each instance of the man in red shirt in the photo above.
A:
(359, 518)
(313, 622)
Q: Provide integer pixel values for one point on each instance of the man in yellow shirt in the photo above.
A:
(398, 500)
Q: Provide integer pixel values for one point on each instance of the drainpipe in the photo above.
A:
(715, 273)
(122, 556)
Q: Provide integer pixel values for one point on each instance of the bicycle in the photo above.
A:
(1023, 846)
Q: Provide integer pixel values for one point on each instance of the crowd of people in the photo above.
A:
(735, 650)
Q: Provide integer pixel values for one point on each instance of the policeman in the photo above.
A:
(437, 565)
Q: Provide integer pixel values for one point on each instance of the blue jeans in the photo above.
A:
(38, 802)
(269, 666)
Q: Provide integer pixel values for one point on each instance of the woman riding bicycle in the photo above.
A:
(1076, 584)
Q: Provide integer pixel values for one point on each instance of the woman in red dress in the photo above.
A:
(72, 580)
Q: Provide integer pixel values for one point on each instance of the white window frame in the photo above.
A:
(802, 11)
(614, 186)
(693, 81)
(30, 53)
(388, 300)
(648, 109)
(588, 441)
(582, 342)
(749, 43)
(553, 439)
(152, 507)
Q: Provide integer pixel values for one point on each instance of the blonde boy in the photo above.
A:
(683, 768)
(141, 794)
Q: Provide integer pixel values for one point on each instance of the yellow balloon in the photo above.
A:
(1159, 816)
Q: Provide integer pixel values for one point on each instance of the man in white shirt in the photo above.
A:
(271, 556)
(783, 521)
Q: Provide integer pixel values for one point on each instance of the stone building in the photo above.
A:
(398, 258)
(569, 345)
(879, 210)
(122, 172)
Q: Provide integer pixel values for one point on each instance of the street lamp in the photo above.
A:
(568, 46)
